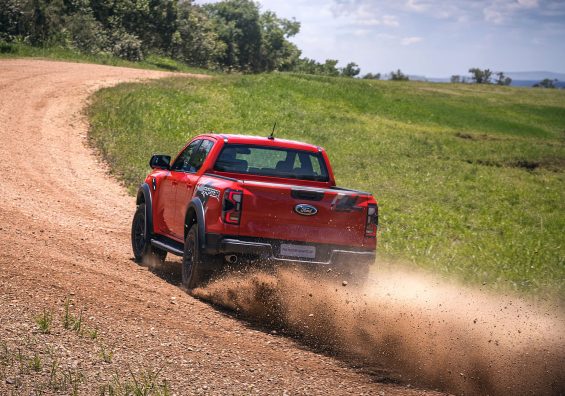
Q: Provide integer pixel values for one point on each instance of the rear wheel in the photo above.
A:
(141, 238)
(193, 271)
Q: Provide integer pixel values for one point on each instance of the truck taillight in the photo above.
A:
(231, 211)
(372, 220)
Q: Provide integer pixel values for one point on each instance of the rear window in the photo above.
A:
(272, 161)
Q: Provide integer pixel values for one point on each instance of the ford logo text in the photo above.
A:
(305, 210)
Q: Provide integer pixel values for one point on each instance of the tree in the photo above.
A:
(45, 22)
(501, 79)
(12, 19)
(480, 76)
(87, 34)
(371, 76)
(350, 70)
(254, 41)
(155, 23)
(238, 26)
(455, 79)
(329, 67)
(277, 53)
(398, 76)
(306, 66)
(546, 83)
(196, 40)
(310, 66)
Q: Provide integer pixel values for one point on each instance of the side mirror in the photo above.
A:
(160, 162)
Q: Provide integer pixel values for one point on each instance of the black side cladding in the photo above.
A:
(198, 207)
(144, 195)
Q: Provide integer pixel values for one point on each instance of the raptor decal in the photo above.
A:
(206, 191)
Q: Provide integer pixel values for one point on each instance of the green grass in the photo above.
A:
(144, 383)
(151, 62)
(44, 321)
(470, 179)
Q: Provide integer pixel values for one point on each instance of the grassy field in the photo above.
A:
(470, 179)
(152, 62)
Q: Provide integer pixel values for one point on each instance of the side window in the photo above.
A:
(201, 154)
(182, 163)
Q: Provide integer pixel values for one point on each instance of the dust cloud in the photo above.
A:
(417, 329)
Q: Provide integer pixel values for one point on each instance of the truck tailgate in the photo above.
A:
(270, 211)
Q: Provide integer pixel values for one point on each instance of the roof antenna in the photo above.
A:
(272, 136)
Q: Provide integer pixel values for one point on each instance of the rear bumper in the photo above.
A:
(269, 249)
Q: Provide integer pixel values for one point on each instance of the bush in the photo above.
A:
(398, 76)
(11, 19)
(87, 34)
(6, 48)
(127, 46)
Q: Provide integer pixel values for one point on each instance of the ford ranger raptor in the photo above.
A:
(231, 199)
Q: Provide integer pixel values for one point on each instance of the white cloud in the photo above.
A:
(499, 11)
(390, 20)
(385, 36)
(457, 10)
(362, 32)
(368, 20)
(417, 6)
(363, 14)
(410, 40)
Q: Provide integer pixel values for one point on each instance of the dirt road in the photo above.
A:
(64, 236)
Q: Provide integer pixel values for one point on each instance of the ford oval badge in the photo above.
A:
(305, 210)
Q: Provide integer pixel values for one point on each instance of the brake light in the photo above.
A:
(372, 220)
(231, 211)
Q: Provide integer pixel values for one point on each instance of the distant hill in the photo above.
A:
(535, 75)
(530, 83)
(519, 79)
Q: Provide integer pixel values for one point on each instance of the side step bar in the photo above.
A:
(169, 247)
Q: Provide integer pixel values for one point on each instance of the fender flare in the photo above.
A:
(144, 195)
(197, 207)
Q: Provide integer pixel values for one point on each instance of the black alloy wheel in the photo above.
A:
(140, 238)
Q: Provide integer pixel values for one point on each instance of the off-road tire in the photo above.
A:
(141, 238)
(194, 272)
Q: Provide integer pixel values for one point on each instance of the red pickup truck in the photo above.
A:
(231, 199)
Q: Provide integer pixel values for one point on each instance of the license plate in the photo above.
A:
(298, 251)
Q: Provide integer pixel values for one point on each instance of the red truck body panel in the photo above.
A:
(271, 214)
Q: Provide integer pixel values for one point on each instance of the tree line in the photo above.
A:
(483, 76)
(486, 76)
(230, 35)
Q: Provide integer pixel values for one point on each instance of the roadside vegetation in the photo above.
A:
(470, 178)
(58, 355)
(151, 61)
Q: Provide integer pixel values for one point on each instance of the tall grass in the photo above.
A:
(470, 179)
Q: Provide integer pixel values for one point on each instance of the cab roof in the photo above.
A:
(265, 141)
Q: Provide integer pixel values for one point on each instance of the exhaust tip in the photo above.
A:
(231, 258)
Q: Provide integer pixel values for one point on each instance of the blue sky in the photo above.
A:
(435, 38)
